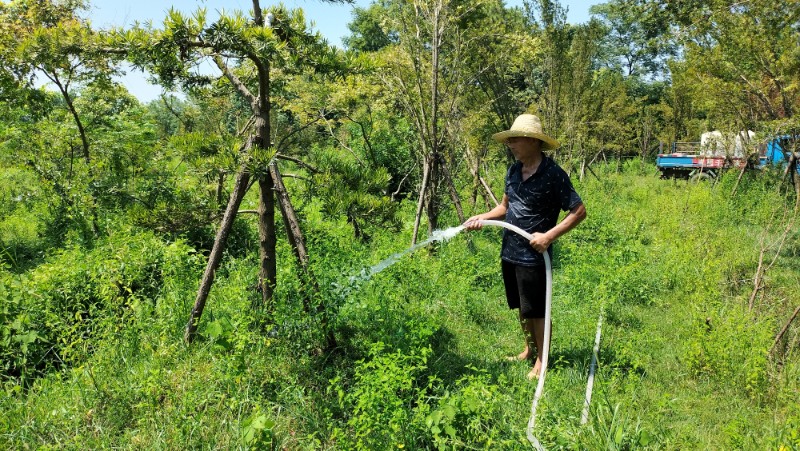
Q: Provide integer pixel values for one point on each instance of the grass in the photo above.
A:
(422, 344)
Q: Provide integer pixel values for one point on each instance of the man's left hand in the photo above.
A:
(540, 242)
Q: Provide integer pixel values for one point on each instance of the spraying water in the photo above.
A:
(437, 235)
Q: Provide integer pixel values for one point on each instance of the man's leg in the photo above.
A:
(528, 334)
(538, 341)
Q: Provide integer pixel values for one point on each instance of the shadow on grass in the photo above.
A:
(580, 358)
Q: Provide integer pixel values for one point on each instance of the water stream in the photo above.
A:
(437, 235)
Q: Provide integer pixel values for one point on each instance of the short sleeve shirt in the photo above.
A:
(534, 205)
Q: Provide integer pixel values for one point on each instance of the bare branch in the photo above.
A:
(336, 138)
(294, 132)
(246, 126)
(400, 185)
(258, 18)
(295, 176)
(364, 133)
(237, 83)
(784, 329)
(299, 162)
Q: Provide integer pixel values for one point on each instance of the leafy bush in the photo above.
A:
(55, 314)
(469, 414)
(23, 218)
(383, 400)
(726, 349)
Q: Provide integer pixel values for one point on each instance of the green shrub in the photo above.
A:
(57, 313)
(730, 348)
(386, 396)
(23, 218)
(469, 415)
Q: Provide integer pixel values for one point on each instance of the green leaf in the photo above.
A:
(645, 438)
(255, 424)
(214, 329)
(260, 422)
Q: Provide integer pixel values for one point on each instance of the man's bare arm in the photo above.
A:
(498, 212)
(541, 241)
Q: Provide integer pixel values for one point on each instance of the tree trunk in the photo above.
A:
(290, 219)
(298, 243)
(741, 172)
(479, 183)
(432, 197)
(475, 185)
(453, 192)
(84, 146)
(239, 190)
(78, 123)
(435, 156)
(591, 171)
(426, 170)
(488, 191)
(267, 271)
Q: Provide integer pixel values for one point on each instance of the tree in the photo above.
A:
(744, 61)
(638, 40)
(358, 149)
(548, 78)
(48, 39)
(367, 30)
(501, 51)
(596, 84)
(429, 74)
(245, 52)
(745, 57)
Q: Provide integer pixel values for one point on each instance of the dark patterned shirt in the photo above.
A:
(533, 206)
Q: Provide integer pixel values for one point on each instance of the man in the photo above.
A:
(536, 190)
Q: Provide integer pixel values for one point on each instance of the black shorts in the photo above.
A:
(526, 289)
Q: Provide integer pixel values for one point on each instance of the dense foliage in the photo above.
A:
(92, 338)
(110, 210)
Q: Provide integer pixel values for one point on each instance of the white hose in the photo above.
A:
(546, 345)
(506, 225)
(592, 368)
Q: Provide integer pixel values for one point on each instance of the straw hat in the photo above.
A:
(529, 126)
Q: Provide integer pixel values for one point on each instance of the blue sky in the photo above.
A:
(330, 19)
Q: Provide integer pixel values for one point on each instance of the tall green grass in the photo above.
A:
(420, 362)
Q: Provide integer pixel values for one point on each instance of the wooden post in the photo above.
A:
(298, 243)
(239, 190)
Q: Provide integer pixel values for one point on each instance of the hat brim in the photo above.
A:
(548, 143)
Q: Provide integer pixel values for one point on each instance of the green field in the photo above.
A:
(195, 268)
(684, 364)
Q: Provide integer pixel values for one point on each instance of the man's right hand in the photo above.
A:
(473, 223)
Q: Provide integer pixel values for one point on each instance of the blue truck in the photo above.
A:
(694, 161)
